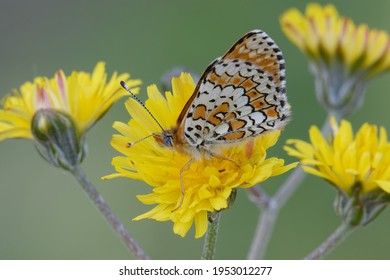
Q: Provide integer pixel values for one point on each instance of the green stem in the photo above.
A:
(108, 214)
(335, 239)
(210, 242)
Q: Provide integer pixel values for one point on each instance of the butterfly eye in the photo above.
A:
(168, 140)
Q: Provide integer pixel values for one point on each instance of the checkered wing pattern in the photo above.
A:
(240, 95)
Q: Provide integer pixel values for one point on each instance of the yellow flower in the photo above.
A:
(344, 56)
(347, 160)
(208, 183)
(357, 165)
(323, 34)
(81, 96)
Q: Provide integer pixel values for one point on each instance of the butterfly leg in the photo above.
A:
(225, 158)
(186, 166)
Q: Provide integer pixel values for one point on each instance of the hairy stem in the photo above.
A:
(108, 214)
(264, 228)
(210, 242)
(335, 239)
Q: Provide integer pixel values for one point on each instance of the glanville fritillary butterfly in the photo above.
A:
(240, 95)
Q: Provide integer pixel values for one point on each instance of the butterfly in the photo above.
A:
(240, 95)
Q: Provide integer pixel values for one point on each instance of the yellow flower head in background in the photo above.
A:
(344, 56)
(323, 34)
(208, 183)
(82, 96)
(358, 165)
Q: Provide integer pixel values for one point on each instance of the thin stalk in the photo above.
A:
(270, 210)
(108, 214)
(264, 228)
(335, 239)
(210, 242)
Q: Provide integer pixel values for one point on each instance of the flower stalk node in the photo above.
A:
(360, 209)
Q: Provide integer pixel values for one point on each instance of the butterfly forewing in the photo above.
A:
(240, 95)
(258, 48)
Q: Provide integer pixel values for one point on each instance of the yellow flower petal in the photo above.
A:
(201, 224)
(384, 185)
(324, 150)
(347, 160)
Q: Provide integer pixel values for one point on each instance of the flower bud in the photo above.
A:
(57, 139)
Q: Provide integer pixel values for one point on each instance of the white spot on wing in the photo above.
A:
(222, 129)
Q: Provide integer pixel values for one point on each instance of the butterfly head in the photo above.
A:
(165, 139)
(170, 139)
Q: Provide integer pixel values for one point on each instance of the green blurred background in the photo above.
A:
(43, 212)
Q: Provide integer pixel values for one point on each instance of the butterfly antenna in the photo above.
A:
(129, 145)
(124, 85)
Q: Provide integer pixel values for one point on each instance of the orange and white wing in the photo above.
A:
(240, 95)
